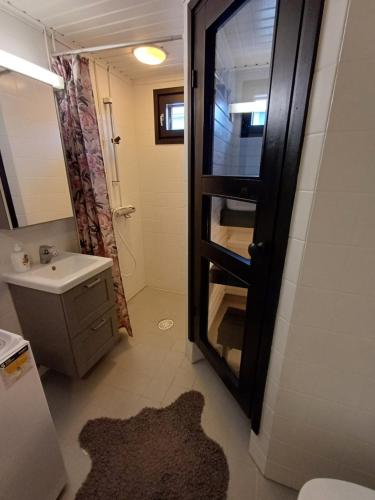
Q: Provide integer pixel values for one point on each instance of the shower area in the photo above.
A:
(147, 188)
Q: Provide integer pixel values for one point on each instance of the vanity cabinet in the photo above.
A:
(69, 332)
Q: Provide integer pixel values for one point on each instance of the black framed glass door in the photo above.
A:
(245, 60)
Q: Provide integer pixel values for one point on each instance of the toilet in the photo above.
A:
(333, 489)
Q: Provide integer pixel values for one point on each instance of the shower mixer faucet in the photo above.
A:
(125, 211)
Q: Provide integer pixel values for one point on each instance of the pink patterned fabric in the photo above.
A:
(86, 169)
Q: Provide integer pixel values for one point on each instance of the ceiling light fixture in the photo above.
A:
(149, 54)
(27, 68)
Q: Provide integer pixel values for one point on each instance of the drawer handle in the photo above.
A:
(93, 283)
(99, 325)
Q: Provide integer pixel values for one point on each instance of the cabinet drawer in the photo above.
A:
(95, 341)
(87, 301)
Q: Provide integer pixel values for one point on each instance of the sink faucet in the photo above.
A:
(46, 252)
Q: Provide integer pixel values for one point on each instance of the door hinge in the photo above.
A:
(194, 78)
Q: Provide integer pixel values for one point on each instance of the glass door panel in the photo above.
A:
(243, 50)
(227, 298)
(232, 224)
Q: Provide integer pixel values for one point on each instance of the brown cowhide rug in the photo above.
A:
(159, 454)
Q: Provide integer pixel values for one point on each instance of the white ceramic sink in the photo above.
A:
(64, 272)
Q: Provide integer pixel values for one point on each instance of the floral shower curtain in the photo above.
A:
(86, 169)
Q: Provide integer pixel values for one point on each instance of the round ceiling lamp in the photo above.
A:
(150, 55)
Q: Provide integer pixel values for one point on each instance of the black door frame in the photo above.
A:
(308, 34)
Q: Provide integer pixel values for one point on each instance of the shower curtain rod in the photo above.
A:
(100, 48)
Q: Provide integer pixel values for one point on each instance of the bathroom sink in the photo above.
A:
(64, 272)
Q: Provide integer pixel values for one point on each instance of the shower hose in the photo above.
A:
(116, 217)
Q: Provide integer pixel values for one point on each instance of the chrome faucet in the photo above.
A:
(46, 252)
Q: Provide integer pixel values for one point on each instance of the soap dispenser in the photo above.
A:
(20, 259)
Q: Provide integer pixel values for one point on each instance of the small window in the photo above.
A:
(252, 124)
(169, 115)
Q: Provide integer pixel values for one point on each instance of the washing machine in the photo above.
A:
(31, 464)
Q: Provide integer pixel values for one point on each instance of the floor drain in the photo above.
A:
(165, 324)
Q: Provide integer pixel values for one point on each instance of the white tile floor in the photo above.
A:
(151, 370)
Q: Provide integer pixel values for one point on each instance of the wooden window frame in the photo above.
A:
(161, 97)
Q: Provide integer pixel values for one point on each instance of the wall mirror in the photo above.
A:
(33, 181)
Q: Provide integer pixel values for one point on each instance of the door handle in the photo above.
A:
(256, 249)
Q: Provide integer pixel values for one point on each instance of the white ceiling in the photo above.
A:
(84, 23)
(87, 23)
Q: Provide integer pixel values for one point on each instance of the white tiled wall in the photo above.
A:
(163, 191)
(153, 179)
(319, 417)
(27, 42)
(124, 112)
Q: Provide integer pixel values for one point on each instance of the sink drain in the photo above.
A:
(165, 324)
